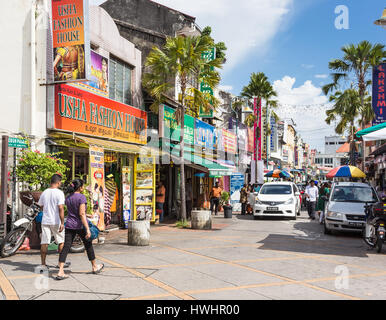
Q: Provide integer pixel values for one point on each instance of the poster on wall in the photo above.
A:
(70, 44)
(379, 94)
(144, 188)
(126, 195)
(97, 166)
(99, 75)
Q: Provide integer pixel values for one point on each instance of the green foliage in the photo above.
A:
(36, 169)
(183, 224)
(224, 198)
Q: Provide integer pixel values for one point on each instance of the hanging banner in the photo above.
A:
(71, 47)
(237, 183)
(242, 136)
(229, 141)
(204, 134)
(80, 111)
(251, 140)
(144, 188)
(99, 77)
(379, 93)
(97, 167)
(126, 195)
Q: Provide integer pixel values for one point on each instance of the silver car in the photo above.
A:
(345, 208)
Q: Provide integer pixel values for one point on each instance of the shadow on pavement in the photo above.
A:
(20, 266)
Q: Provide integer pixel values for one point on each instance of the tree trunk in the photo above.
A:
(182, 159)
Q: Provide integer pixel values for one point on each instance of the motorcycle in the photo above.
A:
(374, 233)
(15, 238)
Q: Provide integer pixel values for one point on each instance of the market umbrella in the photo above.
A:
(346, 171)
(278, 174)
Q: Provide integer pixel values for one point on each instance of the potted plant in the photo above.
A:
(35, 169)
(226, 204)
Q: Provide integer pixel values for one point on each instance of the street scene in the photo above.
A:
(185, 151)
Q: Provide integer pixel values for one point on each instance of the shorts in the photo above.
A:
(51, 230)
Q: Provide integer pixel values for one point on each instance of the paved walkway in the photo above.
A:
(239, 259)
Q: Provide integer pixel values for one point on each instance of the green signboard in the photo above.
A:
(173, 131)
(209, 55)
(17, 143)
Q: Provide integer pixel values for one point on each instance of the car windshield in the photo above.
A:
(276, 189)
(354, 194)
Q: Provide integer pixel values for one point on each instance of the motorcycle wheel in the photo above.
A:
(12, 242)
(77, 245)
(368, 241)
(379, 245)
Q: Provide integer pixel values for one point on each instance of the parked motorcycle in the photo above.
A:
(15, 238)
(374, 233)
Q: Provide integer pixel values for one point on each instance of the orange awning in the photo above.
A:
(344, 148)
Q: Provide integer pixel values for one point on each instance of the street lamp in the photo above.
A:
(382, 21)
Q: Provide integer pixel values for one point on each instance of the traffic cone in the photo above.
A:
(25, 245)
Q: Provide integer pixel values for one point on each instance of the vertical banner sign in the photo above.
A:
(379, 101)
(97, 165)
(237, 182)
(144, 188)
(126, 195)
(71, 47)
(208, 56)
(257, 129)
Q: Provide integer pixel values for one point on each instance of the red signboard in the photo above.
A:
(251, 140)
(84, 112)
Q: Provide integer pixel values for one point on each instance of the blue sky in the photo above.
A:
(291, 41)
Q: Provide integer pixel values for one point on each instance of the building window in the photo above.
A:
(328, 160)
(120, 81)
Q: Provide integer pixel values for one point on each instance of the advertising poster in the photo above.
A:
(229, 141)
(126, 195)
(237, 182)
(144, 188)
(379, 94)
(242, 136)
(69, 39)
(81, 111)
(97, 166)
(204, 134)
(251, 140)
(99, 76)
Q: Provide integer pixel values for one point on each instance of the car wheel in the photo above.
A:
(293, 218)
(326, 230)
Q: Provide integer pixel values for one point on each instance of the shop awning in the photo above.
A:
(344, 148)
(366, 131)
(195, 161)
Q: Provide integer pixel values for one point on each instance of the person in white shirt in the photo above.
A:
(52, 203)
(312, 194)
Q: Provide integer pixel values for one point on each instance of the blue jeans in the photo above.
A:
(160, 208)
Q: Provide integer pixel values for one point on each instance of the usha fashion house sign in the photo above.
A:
(83, 112)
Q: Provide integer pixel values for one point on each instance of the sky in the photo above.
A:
(291, 41)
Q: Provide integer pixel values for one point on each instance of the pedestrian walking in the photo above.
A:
(215, 195)
(323, 197)
(251, 200)
(243, 199)
(52, 224)
(160, 200)
(77, 223)
(312, 196)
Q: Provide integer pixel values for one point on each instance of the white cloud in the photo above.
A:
(246, 27)
(307, 106)
(321, 76)
(307, 66)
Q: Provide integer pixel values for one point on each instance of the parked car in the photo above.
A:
(277, 199)
(345, 209)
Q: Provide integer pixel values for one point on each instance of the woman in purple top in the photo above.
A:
(77, 223)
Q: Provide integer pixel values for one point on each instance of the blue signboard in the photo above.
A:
(237, 182)
(379, 100)
(204, 134)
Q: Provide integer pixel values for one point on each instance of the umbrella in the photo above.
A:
(278, 174)
(346, 171)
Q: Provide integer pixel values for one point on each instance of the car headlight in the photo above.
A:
(289, 201)
(258, 201)
(333, 214)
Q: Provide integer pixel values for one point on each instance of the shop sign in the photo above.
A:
(229, 141)
(204, 134)
(237, 182)
(99, 76)
(71, 47)
(97, 170)
(251, 140)
(84, 112)
(171, 130)
(379, 93)
(126, 195)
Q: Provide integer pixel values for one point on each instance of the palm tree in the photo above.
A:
(179, 63)
(347, 107)
(260, 87)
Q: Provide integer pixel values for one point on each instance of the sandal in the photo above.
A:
(99, 270)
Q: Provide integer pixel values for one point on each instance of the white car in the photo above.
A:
(277, 199)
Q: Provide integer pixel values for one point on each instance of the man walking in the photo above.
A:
(215, 198)
(312, 194)
(160, 200)
(244, 199)
(52, 203)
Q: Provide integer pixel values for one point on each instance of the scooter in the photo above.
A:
(15, 238)
(374, 233)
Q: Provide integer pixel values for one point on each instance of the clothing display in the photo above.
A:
(111, 190)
